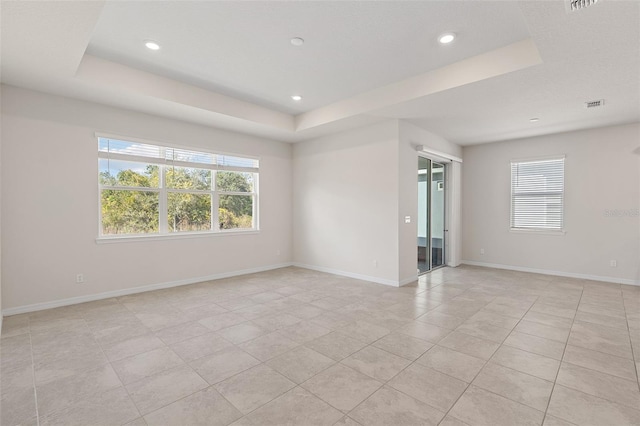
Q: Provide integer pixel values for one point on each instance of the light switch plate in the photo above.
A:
(407, 219)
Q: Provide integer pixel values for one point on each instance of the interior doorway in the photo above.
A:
(431, 214)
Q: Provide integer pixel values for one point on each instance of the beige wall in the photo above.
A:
(352, 192)
(1, 92)
(409, 137)
(601, 173)
(345, 210)
(50, 203)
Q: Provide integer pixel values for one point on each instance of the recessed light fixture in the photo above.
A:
(446, 38)
(152, 45)
(297, 41)
(534, 119)
(296, 97)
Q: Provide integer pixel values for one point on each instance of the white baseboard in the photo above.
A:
(377, 280)
(125, 291)
(555, 273)
(409, 280)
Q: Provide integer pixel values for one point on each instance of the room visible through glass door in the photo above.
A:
(424, 248)
(431, 215)
(437, 215)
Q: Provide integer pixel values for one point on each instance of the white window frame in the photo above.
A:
(163, 191)
(538, 230)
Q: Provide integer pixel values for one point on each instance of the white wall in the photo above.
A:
(351, 193)
(50, 203)
(409, 137)
(345, 208)
(1, 92)
(601, 173)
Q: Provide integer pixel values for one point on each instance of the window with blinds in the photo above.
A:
(537, 194)
(148, 189)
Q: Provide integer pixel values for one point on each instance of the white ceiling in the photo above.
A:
(230, 64)
(243, 49)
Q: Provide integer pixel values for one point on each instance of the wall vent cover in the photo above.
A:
(574, 5)
(594, 104)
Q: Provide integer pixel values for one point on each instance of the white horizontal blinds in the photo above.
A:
(116, 149)
(537, 194)
(240, 164)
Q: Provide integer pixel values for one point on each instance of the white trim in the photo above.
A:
(538, 231)
(1, 324)
(376, 280)
(167, 144)
(539, 159)
(555, 273)
(125, 291)
(409, 280)
(439, 154)
(123, 238)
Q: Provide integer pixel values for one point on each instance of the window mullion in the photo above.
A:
(163, 207)
(215, 203)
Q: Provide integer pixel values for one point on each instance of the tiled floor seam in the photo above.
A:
(241, 372)
(400, 372)
(485, 364)
(633, 352)
(563, 352)
(385, 382)
(33, 375)
(111, 365)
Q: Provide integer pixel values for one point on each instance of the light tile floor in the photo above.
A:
(468, 345)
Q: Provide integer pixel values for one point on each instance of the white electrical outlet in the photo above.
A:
(613, 263)
(407, 219)
(277, 252)
(80, 278)
(481, 251)
(375, 263)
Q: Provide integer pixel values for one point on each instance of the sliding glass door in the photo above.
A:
(437, 215)
(431, 215)
(424, 239)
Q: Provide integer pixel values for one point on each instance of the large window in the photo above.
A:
(537, 194)
(151, 189)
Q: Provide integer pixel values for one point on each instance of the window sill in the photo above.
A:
(537, 231)
(178, 236)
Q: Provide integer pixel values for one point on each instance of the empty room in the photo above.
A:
(320, 213)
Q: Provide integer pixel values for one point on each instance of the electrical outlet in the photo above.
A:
(482, 251)
(407, 219)
(613, 263)
(375, 263)
(277, 252)
(80, 278)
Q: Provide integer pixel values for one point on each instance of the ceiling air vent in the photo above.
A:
(573, 5)
(594, 104)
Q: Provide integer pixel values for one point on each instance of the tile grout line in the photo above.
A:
(487, 362)
(33, 374)
(414, 362)
(561, 361)
(234, 375)
(111, 364)
(633, 352)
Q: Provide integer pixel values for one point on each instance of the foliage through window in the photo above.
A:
(537, 194)
(152, 189)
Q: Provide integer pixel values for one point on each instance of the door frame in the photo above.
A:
(446, 163)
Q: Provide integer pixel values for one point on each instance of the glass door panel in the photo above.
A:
(424, 172)
(437, 219)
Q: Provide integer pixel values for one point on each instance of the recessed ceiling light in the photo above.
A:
(152, 45)
(446, 38)
(533, 120)
(297, 41)
(296, 97)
